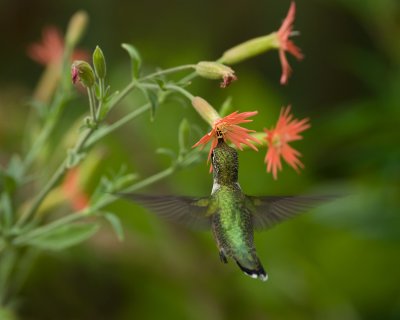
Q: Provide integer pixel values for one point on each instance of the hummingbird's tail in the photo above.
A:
(256, 271)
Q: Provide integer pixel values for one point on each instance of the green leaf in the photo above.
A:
(74, 158)
(64, 236)
(15, 169)
(6, 211)
(161, 84)
(7, 182)
(109, 185)
(8, 258)
(168, 152)
(183, 135)
(153, 99)
(136, 60)
(115, 222)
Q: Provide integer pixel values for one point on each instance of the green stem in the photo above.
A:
(172, 87)
(141, 184)
(9, 258)
(167, 71)
(42, 194)
(63, 167)
(116, 125)
(56, 177)
(92, 104)
(102, 90)
(23, 239)
(150, 180)
(122, 94)
(184, 92)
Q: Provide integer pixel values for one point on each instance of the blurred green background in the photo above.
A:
(342, 261)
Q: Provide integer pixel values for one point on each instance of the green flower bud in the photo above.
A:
(250, 48)
(99, 63)
(216, 70)
(205, 110)
(82, 71)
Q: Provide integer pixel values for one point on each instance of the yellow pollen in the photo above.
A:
(276, 141)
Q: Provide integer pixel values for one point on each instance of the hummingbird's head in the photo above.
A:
(225, 163)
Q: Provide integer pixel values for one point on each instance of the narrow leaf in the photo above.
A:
(168, 152)
(161, 84)
(153, 99)
(115, 222)
(65, 236)
(8, 259)
(6, 211)
(183, 135)
(136, 60)
(15, 168)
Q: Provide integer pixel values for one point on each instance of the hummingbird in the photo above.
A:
(231, 215)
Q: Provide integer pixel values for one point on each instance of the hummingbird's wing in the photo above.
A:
(270, 210)
(187, 211)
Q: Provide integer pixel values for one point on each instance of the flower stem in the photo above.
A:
(56, 177)
(92, 104)
(60, 172)
(122, 94)
(167, 71)
(172, 87)
(101, 91)
(23, 239)
(9, 258)
(116, 125)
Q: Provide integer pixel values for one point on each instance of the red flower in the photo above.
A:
(51, 48)
(73, 191)
(228, 128)
(284, 32)
(287, 129)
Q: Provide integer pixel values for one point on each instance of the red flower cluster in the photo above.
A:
(286, 130)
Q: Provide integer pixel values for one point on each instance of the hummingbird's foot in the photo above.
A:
(222, 256)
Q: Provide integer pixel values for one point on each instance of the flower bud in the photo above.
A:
(76, 27)
(216, 70)
(82, 71)
(206, 111)
(250, 48)
(99, 63)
